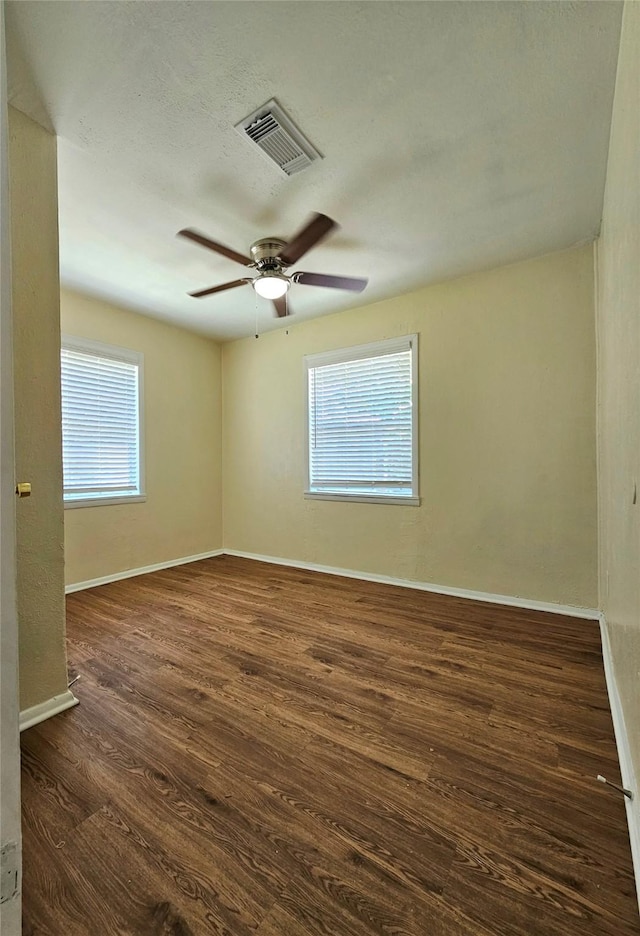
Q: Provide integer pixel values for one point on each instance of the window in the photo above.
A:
(362, 422)
(101, 423)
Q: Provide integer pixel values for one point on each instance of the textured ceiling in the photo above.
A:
(455, 136)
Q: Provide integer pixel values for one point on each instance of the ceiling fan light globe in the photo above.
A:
(271, 285)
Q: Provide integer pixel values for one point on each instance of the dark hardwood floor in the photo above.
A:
(261, 750)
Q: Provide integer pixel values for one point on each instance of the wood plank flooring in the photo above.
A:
(267, 751)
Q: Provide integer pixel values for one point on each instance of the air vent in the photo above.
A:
(278, 138)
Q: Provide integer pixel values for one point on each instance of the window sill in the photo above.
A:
(363, 498)
(105, 501)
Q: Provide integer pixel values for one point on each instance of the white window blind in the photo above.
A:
(362, 409)
(101, 412)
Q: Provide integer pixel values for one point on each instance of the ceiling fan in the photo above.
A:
(271, 256)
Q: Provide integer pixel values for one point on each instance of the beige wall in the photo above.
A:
(619, 382)
(182, 515)
(507, 438)
(36, 348)
(10, 825)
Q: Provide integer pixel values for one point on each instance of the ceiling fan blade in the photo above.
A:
(214, 245)
(310, 235)
(281, 305)
(352, 283)
(214, 289)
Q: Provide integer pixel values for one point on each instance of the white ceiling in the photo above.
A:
(456, 137)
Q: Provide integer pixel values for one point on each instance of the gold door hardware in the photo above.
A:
(23, 489)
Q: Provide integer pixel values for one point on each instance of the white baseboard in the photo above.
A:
(590, 614)
(11, 916)
(53, 706)
(131, 573)
(629, 779)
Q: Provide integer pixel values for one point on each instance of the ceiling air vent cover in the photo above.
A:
(276, 135)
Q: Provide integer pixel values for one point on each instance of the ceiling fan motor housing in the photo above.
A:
(265, 253)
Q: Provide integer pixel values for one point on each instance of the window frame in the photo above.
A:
(126, 355)
(355, 353)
